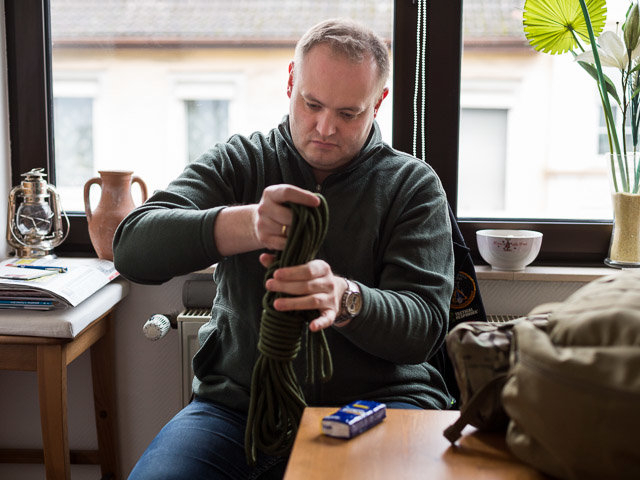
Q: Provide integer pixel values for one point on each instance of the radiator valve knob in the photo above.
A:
(156, 327)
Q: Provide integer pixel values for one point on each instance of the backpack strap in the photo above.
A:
(470, 410)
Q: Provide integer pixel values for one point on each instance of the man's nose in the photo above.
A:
(325, 123)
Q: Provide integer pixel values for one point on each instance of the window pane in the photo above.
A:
(168, 79)
(74, 142)
(482, 149)
(541, 153)
(207, 124)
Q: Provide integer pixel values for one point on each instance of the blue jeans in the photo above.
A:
(206, 441)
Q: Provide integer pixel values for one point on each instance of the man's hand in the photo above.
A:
(245, 228)
(272, 218)
(314, 287)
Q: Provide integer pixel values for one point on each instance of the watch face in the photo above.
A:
(354, 303)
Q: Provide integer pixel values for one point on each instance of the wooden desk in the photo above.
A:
(408, 444)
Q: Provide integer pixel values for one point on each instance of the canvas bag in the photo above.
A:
(479, 353)
(573, 393)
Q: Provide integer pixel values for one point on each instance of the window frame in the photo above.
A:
(31, 126)
(566, 242)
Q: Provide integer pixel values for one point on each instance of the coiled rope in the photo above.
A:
(277, 401)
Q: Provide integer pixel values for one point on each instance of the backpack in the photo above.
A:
(479, 353)
(571, 391)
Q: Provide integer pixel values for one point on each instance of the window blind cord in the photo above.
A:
(419, 95)
(276, 402)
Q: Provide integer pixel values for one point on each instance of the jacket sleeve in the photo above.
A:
(405, 315)
(172, 233)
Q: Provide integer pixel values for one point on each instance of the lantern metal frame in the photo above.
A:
(35, 192)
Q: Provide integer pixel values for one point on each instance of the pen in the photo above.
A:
(40, 267)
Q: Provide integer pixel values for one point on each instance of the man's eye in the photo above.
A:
(348, 116)
(313, 106)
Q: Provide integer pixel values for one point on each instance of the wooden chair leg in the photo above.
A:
(52, 392)
(104, 397)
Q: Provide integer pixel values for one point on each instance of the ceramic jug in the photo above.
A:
(115, 203)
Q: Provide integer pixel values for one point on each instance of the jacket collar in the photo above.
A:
(371, 145)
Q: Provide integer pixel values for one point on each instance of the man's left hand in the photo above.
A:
(313, 286)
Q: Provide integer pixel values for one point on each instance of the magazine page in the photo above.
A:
(46, 283)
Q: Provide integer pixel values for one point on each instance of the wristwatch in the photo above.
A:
(351, 304)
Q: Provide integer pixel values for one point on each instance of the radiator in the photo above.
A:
(191, 319)
(189, 322)
(501, 318)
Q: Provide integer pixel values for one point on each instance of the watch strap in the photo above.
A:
(345, 314)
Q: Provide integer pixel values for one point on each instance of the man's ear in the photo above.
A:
(290, 82)
(385, 92)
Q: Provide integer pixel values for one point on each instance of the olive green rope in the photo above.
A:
(277, 401)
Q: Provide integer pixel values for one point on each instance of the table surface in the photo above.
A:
(408, 444)
(65, 322)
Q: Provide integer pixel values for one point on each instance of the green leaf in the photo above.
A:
(548, 24)
(635, 69)
(611, 89)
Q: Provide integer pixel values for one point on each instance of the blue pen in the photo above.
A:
(49, 268)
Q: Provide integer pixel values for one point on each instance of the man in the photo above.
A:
(389, 243)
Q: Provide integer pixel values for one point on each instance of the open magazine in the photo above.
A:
(47, 283)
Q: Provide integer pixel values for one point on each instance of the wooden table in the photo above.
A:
(408, 444)
(46, 343)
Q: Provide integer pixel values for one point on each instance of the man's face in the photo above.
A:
(333, 104)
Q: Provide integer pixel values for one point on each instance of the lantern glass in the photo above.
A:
(34, 220)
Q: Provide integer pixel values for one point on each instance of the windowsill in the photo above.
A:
(546, 274)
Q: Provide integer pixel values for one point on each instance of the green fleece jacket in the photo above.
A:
(389, 232)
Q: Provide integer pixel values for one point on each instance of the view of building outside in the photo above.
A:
(148, 86)
(531, 127)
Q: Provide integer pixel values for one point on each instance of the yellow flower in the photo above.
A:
(551, 26)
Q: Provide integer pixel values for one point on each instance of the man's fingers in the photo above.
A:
(293, 194)
(317, 301)
(266, 259)
(307, 271)
(274, 217)
(323, 321)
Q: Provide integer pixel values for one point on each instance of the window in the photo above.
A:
(29, 61)
(540, 115)
(483, 156)
(603, 139)
(207, 124)
(168, 87)
(73, 117)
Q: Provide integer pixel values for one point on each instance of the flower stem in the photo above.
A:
(603, 90)
(575, 37)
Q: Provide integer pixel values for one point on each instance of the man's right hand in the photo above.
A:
(272, 218)
(246, 228)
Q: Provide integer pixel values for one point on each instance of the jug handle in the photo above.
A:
(143, 186)
(87, 187)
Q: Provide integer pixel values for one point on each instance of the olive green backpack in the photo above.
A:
(479, 353)
(571, 390)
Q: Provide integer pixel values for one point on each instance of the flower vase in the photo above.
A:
(115, 203)
(624, 250)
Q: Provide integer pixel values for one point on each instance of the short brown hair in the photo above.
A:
(348, 38)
